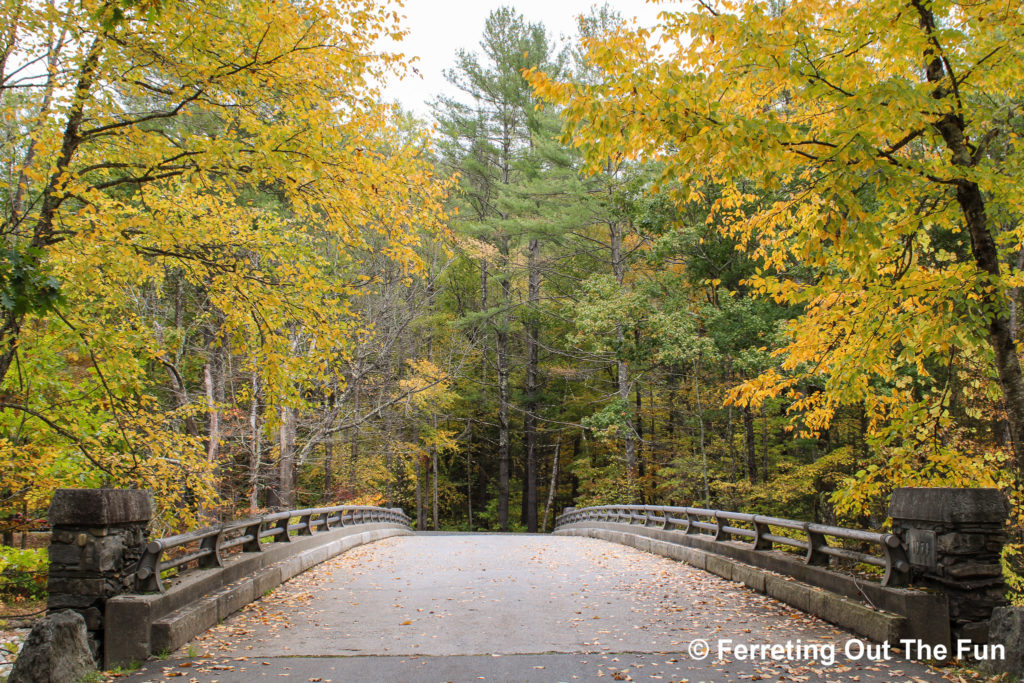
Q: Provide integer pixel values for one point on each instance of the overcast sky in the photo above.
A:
(439, 28)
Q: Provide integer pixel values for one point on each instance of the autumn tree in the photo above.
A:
(885, 162)
(234, 150)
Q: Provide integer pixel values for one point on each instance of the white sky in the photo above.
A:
(439, 28)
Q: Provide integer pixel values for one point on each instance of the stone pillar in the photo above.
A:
(953, 539)
(98, 537)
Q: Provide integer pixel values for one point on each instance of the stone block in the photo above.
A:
(962, 544)
(973, 570)
(313, 557)
(793, 593)
(93, 618)
(266, 580)
(58, 601)
(976, 632)
(874, 624)
(676, 552)
(234, 598)
(103, 555)
(697, 559)
(751, 577)
(949, 506)
(180, 626)
(99, 507)
(65, 554)
(56, 650)
(1006, 628)
(62, 536)
(75, 585)
(719, 566)
(126, 636)
(290, 567)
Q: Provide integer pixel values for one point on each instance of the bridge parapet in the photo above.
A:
(251, 535)
(724, 526)
(941, 576)
(142, 597)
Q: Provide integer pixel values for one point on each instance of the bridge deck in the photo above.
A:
(511, 608)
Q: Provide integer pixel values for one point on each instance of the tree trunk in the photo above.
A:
(554, 483)
(700, 421)
(952, 128)
(213, 378)
(353, 454)
(504, 400)
(256, 445)
(729, 431)
(286, 463)
(622, 369)
(638, 420)
(420, 514)
(748, 428)
(469, 487)
(181, 396)
(765, 473)
(532, 388)
(433, 466)
(437, 473)
(43, 230)
(328, 470)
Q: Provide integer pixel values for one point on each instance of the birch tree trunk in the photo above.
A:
(554, 483)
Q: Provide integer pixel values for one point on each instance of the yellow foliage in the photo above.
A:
(237, 144)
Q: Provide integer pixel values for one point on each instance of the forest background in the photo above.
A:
(765, 258)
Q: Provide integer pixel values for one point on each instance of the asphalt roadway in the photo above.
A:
(503, 607)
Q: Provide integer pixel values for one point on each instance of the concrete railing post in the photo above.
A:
(97, 540)
(953, 539)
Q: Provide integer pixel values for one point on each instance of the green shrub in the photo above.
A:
(23, 573)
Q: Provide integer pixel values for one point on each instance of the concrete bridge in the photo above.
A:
(499, 607)
(624, 592)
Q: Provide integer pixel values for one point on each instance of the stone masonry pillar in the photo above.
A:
(953, 540)
(98, 537)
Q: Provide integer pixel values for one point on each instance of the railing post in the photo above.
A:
(690, 519)
(305, 519)
(815, 542)
(284, 536)
(99, 536)
(897, 566)
(953, 540)
(147, 574)
(212, 543)
(720, 533)
(760, 531)
(255, 545)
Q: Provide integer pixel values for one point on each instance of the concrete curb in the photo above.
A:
(841, 610)
(138, 626)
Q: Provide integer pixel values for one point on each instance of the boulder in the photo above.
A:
(56, 651)
(1007, 629)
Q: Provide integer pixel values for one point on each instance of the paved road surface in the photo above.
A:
(491, 607)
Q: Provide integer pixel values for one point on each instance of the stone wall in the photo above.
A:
(98, 537)
(954, 539)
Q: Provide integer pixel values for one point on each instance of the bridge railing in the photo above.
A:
(206, 548)
(723, 525)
